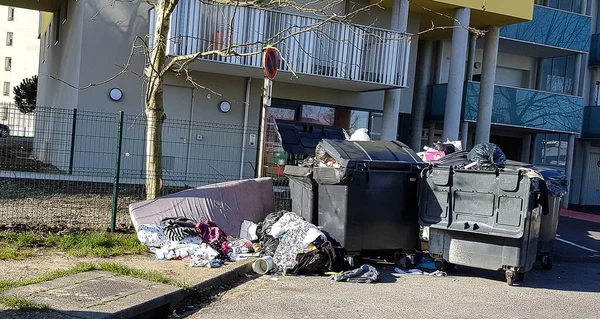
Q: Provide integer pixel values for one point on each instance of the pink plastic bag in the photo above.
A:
(434, 155)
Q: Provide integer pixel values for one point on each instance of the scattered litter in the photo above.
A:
(364, 274)
(409, 271)
(274, 279)
(427, 264)
(438, 273)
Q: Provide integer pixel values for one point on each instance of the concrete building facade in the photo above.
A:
(525, 83)
(19, 52)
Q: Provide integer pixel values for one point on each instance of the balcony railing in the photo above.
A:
(516, 107)
(308, 45)
(551, 27)
(591, 122)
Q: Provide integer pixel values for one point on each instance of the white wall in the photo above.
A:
(24, 51)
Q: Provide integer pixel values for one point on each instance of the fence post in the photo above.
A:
(113, 220)
(73, 128)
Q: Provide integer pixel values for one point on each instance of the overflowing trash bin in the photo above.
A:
(367, 198)
(483, 211)
(299, 140)
(557, 186)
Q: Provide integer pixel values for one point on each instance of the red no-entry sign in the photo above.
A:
(271, 63)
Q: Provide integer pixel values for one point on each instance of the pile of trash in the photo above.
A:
(440, 150)
(288, 244)
(203, 244)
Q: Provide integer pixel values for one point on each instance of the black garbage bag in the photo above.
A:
(447, 148)
(326, 258)
(268, 243)
(488, 155)
(556, 182)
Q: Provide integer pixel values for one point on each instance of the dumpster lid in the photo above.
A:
(298, 138)
(347, 153)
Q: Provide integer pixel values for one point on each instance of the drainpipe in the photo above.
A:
(244, 138)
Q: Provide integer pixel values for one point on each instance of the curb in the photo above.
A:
(245, 267)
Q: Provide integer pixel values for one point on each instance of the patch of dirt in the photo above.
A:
(15, 155)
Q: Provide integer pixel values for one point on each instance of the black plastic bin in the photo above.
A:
(488, 219)
(557, 185)
(369, 203)
(299, 140)
(303, 191)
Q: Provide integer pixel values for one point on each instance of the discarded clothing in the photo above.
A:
(427, 264)
(324, 259)
(409, 272)
(203, 255)
(178, 228)
(293, 232)
(209, 231)
(151, 235)
(557, 183)
(364, 274)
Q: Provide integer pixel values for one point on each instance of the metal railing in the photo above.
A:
(308, 45)
(83, 169)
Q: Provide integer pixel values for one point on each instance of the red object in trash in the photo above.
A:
(434, 155)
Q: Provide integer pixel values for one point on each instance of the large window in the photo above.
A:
(9, 39)
(6, 89)
(557, 74)
(551, 149)
(351, 120)
(566, 5)
(318, 114)
(11, 14)
(7, 64)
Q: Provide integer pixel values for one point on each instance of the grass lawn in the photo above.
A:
(20, 245)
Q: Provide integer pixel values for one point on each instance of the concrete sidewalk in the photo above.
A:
(100, 294)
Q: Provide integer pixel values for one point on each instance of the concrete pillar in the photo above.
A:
(488, 79)
(422, 81)
(526, 154)
(587, 148)
(456, 77)
(464, 135)
(431, 137)
(439, 61)
(577, 76)
(569, 168)
(471, 59)
(391, 103)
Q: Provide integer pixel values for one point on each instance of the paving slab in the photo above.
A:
(101, 294)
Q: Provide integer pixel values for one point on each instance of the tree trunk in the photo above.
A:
(155, 112)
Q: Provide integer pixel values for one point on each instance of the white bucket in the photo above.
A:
(263, 266)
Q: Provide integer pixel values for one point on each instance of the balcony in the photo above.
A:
(594, 57)
(331, 54)
(516, 107)
(591, 122)
(554, 28)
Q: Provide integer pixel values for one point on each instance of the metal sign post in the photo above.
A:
(271, 65)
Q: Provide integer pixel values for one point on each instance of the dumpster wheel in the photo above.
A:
(510, 277)
(546, 263)
(520, 276)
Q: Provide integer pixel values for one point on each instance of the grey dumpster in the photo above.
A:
(368, 203)
(557, 186)
(299, 141)
(487, 219)
(303, 191)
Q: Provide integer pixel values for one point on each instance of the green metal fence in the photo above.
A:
(82, 169)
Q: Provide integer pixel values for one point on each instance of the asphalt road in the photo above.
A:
(571, 289)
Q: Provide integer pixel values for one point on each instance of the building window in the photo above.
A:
(9, 39)
(566, 5)
(6, 89)
(351, 120)
(318, 114)
(57, 26)
(8, 63)
(11, 13)
(551, 149)
(557, 74)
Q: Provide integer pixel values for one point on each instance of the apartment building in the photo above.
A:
(19, 51)
(528, 84)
